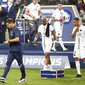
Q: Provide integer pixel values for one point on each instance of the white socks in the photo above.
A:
(47, 67)
(50, 67)
(54, 43)
(61, 43)
(78, 67)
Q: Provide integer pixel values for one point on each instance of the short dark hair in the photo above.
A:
(77, 19)
(59, 3)
(10, 20)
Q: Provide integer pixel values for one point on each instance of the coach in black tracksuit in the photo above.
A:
(15, 51)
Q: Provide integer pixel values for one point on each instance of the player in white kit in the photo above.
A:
(46, 30)
(79, 48)
(59, 16)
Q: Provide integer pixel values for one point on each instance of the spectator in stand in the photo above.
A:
(2, 23)
(12, 10)
(81, 9)
(11, 13)
(53, 2)
(18, 2)
(33, 13)
(65, 2)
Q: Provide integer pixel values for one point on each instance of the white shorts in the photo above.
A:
(79, 53)
(58, 29)
(47, 44)
(58, 33)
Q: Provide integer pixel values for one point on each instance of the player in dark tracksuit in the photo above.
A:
(15, 51)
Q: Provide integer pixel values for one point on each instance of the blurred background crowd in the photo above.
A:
(14, 5)
(79, 3)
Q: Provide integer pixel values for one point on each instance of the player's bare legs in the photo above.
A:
(47, 61)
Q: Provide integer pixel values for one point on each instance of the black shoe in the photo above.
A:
(78, 76)
(2, 79)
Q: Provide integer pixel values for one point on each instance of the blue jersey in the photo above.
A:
(15, 46)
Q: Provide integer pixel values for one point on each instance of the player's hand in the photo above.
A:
(33, 17)
(76, 30)
(35, 41)
(60, 20)
(64, 18)
(49, 20)
(2, 23)
(6, 42)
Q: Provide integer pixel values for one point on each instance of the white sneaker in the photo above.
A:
(53, 49)
(45, 69)
(50, 67)
(65, 49)
(22, 80)
(2, 79)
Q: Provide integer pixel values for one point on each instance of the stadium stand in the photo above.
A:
(31, 49)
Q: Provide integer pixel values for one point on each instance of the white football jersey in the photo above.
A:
(34, 10)
(42, 30)
(46, 41)
(79, 49)
(58, 14)
(80, 36)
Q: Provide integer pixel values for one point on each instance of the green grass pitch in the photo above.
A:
(33, 78)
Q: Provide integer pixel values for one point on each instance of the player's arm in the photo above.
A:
(64, 16)
(36, 37)
(53, 32)
(14, 40)
(39, 12)
(11, 40)
(54, 35)
(27, 13)
(74, 32)
(53, 19)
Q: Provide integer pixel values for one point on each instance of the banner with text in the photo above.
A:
(37, 61)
